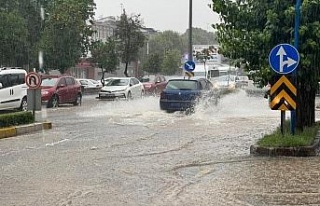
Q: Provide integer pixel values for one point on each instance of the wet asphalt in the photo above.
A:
(131, 153)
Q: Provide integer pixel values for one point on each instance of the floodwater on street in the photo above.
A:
(132, 153)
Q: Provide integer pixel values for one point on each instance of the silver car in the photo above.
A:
(122, 87)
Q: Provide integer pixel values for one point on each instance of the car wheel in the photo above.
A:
(24, 104)
(54, 102)
(129, 96)
(190, 110)
(78, 100)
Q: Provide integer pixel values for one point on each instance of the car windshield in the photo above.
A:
(118, 82)
(182, 85)
(49, 82)
(93, 81)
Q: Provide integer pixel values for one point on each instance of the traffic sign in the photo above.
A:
(189, 66)
(284, 58)
(283, 95)
(189, 74)
(33, 80)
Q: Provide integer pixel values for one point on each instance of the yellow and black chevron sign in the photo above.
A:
(283, 95)
(189, 74)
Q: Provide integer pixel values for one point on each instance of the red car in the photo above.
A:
(156, 86)
(60, 90)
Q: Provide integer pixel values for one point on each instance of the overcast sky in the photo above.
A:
(162, 14)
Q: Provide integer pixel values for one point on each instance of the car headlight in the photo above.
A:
(44, 92)
(216, 86)
(147, 86)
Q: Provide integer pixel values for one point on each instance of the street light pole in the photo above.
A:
(296, 45)
(190, 57)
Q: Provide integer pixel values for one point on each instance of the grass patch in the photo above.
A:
(301, 138)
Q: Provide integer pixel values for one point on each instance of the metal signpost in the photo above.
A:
(296, 45)
(283, 59)
(33, 81)
(189, 66)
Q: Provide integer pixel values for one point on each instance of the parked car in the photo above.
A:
(122, 87)
(243, 81)
(184, 94)
(89, 83)
(225, 82)
(13, 89)
(105, 80)
(60, 90)
(156, 86)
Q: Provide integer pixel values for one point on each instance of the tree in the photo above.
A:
(200, 37)
(130, 38)
(66, 37)
(171, 62)
(205, 55)
(105, 56)
(153, 63)
(251, 28)
(13, 39)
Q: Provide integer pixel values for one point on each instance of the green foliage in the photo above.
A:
(16, 118)
(251, 28)
(301, 138)
(13, 39)
(199, 37)
(130, 38)
(168, 47)
(153, 64)
(66, 37)
(63, 35)
(171, 62)
(104, 54)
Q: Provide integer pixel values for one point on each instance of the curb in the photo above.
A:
(305, 151)
(24, 129)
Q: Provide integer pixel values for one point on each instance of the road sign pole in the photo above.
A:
(283, 117)
(296, 45)
(190, 57)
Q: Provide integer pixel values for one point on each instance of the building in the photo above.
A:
(103, 29)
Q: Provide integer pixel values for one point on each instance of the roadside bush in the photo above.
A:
(301, 138)
(16, 118)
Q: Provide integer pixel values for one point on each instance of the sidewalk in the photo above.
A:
(24, 129)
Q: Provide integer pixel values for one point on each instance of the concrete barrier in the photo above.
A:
(24, 129)
(8, 132)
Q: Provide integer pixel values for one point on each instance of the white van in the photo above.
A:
(13, 89)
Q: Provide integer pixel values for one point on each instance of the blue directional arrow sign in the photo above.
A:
(284, 58)
(189, 66)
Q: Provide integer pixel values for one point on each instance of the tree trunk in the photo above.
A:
(305, 112)
(126, 69)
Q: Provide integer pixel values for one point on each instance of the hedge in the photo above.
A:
(16, 118)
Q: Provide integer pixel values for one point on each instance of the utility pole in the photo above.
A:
(190, 57)
(296, 45)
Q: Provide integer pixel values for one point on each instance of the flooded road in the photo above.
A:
(131, 153)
